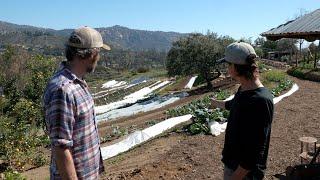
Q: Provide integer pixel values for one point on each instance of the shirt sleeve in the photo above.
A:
(61, 119)
(255, 132)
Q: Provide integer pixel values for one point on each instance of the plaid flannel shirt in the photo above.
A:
(70, 119)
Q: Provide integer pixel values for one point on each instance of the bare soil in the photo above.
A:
(181, 156)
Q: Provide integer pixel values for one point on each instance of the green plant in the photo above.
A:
(39, 160)
(151, 122)
(202, 113)
(275, 76)
(197, 128)
(13, 175)
(262, 67)
(221, 95)
(296, 72)
(283, 85)
(142, 70)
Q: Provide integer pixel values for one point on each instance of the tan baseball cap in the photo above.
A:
(86, 38)
(237, 53)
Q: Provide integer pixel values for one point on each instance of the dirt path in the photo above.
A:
(179, 156)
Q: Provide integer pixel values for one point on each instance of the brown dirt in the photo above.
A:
(180, 156)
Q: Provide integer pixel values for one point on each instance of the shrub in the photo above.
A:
(199, 80)
(13, 175)
(296, 72)
(19, 144)
(39, 160)
(142, 69)
(26, 111)
(21, 114)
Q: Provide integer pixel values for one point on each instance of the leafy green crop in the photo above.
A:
(200, 109)
(283, 85)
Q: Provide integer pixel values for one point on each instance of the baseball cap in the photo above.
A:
(237, 53)
(86, 38)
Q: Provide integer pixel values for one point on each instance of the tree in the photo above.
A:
(267, 46)
(259, 41)
(196, 54)
(287, 45)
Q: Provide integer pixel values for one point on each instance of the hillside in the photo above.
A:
(117, 36)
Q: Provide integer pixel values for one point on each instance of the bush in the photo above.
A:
(27, 111)
(296, 72)
(39, 160)
(142, 70)
(13, 175)
(13, 142)
(313, 75)
(19, 144)
(199, 80)
(21, 114)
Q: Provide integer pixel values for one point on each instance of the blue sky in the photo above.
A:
(245, 18)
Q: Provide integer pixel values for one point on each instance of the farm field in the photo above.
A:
(179, 155)
(149, 87)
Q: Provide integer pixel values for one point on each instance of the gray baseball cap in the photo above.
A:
(86, 38)
(237, 53)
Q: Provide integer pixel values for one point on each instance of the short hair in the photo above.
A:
(248, 69)
(72, 52)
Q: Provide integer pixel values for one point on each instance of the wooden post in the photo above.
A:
(292, 45)
(315, 55)
(315, 60)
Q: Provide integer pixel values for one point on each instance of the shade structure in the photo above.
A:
(305, 27)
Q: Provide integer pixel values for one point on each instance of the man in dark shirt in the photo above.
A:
(251, 111)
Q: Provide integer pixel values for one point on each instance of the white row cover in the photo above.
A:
(113, 83)
(191, 82)
(135, 109)
(139, 137)
(132, 98)
(104, 93)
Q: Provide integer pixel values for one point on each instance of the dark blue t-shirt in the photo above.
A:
(248, 131)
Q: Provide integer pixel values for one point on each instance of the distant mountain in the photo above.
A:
(117, 36)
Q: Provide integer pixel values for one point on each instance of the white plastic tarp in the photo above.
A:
(139, 137)
(191, 82)
(132, 98)
(134, 109)
(113, 83)
(216, 128)
(104, 93)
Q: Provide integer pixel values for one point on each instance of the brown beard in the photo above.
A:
(94, 64)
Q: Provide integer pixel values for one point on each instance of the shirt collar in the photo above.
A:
(65, 69)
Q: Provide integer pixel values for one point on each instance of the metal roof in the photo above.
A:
(305, 27)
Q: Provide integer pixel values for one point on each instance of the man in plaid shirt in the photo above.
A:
(69, 110)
